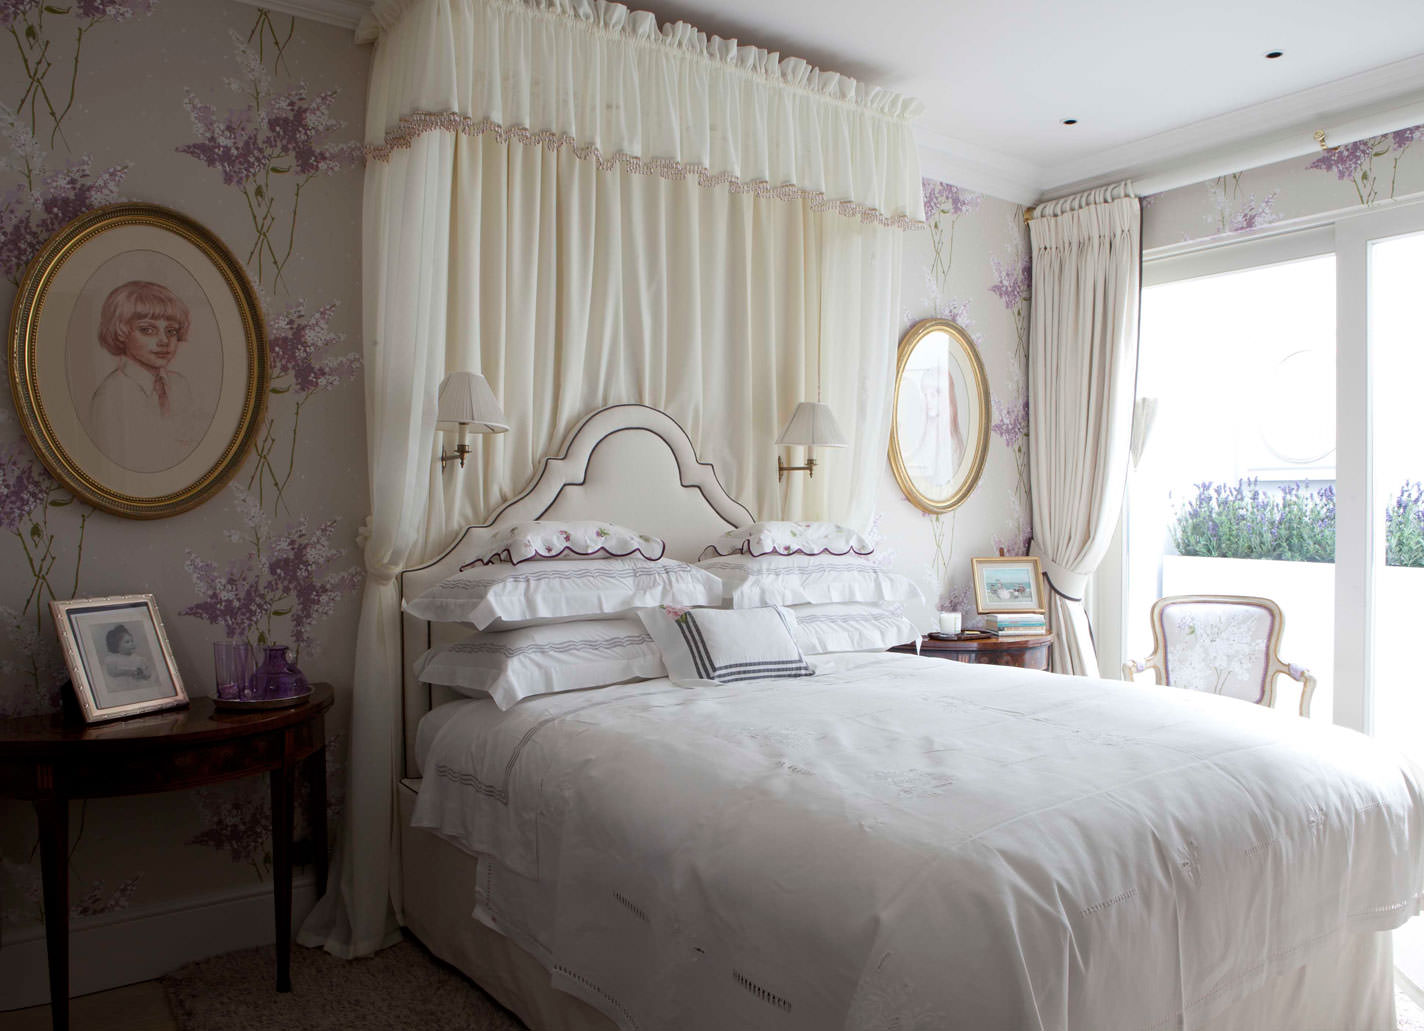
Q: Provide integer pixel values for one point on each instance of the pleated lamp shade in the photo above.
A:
(466, 402)
(812, 425)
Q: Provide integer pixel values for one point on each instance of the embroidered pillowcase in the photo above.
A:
(783, 538)
(852, 627)
(750, 581)
(726, 646)
(545, 659)
(503, 596)
(550, 539)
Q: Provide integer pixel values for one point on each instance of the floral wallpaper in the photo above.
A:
(249, 122)
(971, 267)
(1354, 174)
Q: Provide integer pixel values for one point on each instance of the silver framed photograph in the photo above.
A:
(118, 656)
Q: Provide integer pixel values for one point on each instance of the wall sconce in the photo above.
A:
(466, 404)
(811, 425)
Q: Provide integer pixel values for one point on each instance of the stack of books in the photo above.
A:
(1016, 624)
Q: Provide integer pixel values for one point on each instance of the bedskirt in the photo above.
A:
(1349, 988)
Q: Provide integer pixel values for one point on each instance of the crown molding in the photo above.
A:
(977, 168)
(1373, 102)
(345, 13)
(1380, 100)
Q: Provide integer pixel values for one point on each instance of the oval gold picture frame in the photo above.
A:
(969, 384)
(141, 434)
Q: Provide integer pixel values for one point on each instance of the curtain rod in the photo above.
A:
(1074, 201)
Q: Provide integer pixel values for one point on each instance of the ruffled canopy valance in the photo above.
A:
(621, 90)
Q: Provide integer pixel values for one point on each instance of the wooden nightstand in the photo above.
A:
(1025, 652)
(49, 761)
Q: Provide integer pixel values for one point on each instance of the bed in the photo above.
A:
(897, 842)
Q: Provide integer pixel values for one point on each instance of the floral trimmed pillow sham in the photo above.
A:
(552, 539)
(784, 538)
(726, 646)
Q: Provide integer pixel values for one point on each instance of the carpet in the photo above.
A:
(400, 987)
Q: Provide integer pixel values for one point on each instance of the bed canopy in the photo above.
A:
(588, 209)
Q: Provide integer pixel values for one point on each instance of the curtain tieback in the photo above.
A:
(377, 572)
(1065, 582)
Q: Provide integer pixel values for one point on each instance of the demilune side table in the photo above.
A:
(1027, 651)
(50, 760)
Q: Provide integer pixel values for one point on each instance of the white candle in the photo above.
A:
(950, 623)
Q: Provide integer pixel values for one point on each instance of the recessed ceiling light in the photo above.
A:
(1070, 121)
(1271, 55)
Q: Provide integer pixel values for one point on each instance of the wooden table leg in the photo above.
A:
(283, 789)
(316, 794)
(53, 816)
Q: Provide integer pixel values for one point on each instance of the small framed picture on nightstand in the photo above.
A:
(118, 656)
(1008, 584)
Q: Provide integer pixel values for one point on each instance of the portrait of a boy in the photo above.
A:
(144, 415)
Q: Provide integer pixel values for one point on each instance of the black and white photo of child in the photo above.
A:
(124, 659)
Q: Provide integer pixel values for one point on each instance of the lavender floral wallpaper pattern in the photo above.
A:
(244, 120)
(1353, 174)
(972, 267)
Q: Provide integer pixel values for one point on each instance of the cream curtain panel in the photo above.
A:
(1082, 372)
(576, 270)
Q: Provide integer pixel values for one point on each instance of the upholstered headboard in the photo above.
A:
(629, 464)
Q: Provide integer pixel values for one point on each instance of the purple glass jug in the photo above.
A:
(277, 677)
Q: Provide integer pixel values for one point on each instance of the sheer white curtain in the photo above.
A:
(1082, 372)
(579, 287)
(711, 276)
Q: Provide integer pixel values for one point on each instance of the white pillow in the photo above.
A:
(544, 659)
(782, 538)
(852, 627)
(750, 581)
(550, 539)
(726, 646)
(501, 594)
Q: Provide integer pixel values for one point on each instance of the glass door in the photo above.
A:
(1232, 488)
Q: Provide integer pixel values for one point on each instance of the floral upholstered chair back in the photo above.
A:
(1223, 644)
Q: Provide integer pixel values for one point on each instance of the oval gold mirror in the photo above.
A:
(939, 426)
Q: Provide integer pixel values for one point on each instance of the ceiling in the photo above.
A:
(1158, 88)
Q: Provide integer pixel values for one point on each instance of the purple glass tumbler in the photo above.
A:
(234, 665)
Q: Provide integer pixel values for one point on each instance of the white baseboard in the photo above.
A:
(143, 943)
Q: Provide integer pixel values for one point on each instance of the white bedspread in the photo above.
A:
(909, 843)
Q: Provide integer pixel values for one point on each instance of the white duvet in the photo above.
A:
(908, 843)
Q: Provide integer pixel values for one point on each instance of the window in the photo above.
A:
(1283, 373)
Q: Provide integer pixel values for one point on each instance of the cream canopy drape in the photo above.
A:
(1082, 373)
(589, 208)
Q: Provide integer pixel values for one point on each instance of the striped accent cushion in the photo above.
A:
(726, 646)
